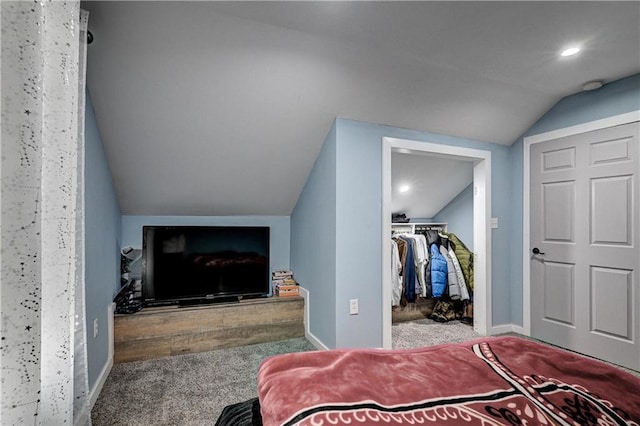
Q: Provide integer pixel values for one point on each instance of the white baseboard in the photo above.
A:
(506, 328)
(315, 341)
(308, 334)
(97, 386)
(518, 329)
(111, 311)
(499, 329)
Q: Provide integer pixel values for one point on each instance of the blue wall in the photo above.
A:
(313, 242)
(102, 246)
(358, 229)
(359, 221)
(458, 215)
(358, 216)
(279, 230)
(612, 99)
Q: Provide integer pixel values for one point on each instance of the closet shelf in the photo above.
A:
(411, 227)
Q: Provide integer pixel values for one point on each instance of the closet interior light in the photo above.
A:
(404, 188)
(570, 51)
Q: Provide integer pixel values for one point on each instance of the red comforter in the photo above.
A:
(491, 381)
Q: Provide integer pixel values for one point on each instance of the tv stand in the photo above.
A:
(161, 331)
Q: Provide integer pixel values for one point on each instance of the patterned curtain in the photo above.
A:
(43, 366)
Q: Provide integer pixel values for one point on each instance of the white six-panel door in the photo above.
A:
(584, 192)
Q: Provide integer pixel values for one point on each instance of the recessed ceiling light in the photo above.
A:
(404, 188)
(570, 51)
(592, 85)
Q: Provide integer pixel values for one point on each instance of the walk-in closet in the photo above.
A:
(432, 246)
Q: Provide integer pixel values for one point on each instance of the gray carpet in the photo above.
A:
(186, 389)
(193, 389)
(426, 332)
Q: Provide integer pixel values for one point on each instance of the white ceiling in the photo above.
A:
(220, 108)
(433, 182)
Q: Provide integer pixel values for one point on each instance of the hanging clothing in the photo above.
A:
(402, 250)
(396, 277)
(427, 276)
(464, 291)
(465, 258)
(452, 279)
(438, 272)
(431, 237)
(421, 255)
(410, 277)
(411, 245)
(419, 245)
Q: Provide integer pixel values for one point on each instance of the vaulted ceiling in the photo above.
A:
(220, 108)
(422, 184)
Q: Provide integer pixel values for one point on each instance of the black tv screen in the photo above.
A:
(195, 264)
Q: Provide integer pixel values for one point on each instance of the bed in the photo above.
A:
(489, 381)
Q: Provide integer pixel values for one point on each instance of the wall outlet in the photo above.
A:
(95, 328)
(494, 223)
(353, 307)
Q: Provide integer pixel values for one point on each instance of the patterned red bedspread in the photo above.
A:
(490, 381)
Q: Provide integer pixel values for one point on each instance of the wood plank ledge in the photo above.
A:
(172, 330)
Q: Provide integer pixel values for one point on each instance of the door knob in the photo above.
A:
(536, 250)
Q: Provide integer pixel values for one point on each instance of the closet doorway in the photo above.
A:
(481, 161)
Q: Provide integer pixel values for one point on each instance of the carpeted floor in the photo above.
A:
(186, 389)
(193, 389)
(426, 332)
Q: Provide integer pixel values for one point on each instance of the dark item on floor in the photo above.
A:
(443, 311)
(467, 316)
(246, 413)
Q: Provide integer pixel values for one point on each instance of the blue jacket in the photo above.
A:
(439, 272)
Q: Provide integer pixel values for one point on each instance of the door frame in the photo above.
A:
(616, 120)
(481, 227)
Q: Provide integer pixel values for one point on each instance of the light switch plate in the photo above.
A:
(353, 307)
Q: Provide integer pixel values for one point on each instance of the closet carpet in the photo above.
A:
(426, 332)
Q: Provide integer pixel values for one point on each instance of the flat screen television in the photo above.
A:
(198, 264)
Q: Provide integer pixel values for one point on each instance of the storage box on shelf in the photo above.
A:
(284, 285)
(288, 290)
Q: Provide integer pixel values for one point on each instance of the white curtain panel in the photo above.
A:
(43, 351)
(81, 407)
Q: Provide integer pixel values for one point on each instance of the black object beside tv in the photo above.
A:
(204, 264)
